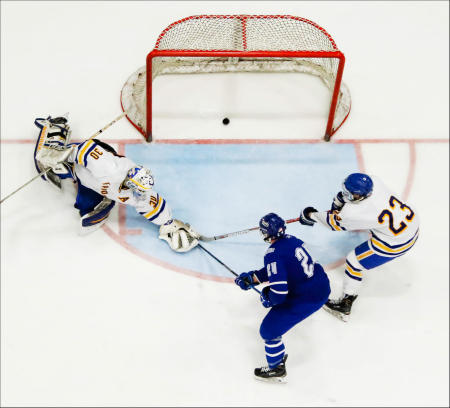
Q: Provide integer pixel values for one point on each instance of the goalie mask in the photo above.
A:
(140, 181)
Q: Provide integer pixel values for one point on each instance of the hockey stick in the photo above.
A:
(45, 171)
(226, 267)
(232, 234)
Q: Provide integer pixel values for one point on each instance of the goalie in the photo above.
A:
(104, 177)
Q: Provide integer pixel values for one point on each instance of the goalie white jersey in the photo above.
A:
(104, 172)
(394, 224)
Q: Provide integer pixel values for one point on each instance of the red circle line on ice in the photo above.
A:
(123, 231)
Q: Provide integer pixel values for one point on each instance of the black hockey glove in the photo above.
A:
(338, 202)
(265, 298)
(245, 280)
(305, 219)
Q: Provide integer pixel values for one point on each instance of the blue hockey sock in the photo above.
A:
(274, 351)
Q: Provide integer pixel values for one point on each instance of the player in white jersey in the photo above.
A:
(104, 177)
(365, 203)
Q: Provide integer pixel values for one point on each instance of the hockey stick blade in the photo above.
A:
(233, 234)
(339, 315)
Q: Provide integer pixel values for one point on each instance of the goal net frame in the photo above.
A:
(177, 50)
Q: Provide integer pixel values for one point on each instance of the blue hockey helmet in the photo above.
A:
(272, 226)
(357, 184)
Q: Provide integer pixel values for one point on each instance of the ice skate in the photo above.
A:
(340, 308)
(275, 375)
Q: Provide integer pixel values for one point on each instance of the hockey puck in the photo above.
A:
(225, 121)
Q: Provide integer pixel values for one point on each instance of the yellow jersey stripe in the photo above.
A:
(83, 151)
(379, 245)
(154, 211)
(364, 254)
(333, 223)
(352, 271)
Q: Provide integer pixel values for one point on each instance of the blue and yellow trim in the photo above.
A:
(333, 222)
(386, 249)
(151, 215)
(364, 255)
(83, 150)
(353, 272)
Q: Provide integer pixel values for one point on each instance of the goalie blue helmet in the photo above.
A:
(359, 184)
(272, 226)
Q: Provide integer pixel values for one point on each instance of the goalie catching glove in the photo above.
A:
(180, 236)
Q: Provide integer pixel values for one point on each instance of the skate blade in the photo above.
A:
(275, 380)
(339, 315)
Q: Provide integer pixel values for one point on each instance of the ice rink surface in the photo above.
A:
(117, 319)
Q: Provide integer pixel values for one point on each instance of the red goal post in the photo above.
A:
(239, 43)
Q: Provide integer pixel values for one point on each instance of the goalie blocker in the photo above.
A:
(54, 133)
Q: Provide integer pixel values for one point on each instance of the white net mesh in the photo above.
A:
(245, 33)
(242, 34)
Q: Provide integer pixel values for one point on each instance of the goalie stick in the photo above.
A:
(232, 234)
(45, 171)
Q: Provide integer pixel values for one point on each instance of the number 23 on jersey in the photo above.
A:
(387, 214)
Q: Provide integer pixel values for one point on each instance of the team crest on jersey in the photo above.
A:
(123, 199)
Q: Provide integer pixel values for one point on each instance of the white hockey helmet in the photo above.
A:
(140, 180)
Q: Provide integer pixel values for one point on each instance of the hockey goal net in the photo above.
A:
(239, 43)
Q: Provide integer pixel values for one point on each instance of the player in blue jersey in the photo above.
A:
(297, 288)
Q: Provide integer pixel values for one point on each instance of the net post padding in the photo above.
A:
(246, 43)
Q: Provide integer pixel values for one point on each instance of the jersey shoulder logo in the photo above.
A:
(123, 199)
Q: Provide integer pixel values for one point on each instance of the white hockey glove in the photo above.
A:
(180, 236)
(53, 155)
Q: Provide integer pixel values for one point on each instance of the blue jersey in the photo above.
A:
(292, 273)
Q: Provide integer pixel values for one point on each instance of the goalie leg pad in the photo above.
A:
(87, 199)
(99, 214)
(93, 220)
